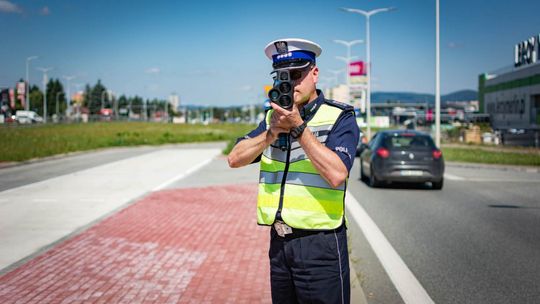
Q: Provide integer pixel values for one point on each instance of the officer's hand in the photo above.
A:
(285, 119)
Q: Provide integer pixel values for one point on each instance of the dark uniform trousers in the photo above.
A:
(310, 267)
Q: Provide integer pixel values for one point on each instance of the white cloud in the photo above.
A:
(246, 88)
(454, 45)
(8, 7)
(153, 70)
(45, 11)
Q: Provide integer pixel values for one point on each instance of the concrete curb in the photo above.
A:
(528, 169)
(357, 292)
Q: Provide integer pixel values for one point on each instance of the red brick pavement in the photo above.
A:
(178, 246)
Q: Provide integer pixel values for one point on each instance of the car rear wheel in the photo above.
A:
(373, 182)
(362, 175)
(437, 185)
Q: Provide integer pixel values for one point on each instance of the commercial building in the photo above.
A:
(512, 96)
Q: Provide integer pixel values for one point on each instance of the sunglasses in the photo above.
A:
(299, 73)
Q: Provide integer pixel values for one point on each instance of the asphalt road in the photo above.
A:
(475, 241)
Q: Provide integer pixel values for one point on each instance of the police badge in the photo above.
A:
(281, 47)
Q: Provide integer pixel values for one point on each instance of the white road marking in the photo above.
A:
(44, 200)
(453, 177)
(410, 290)
(182, 175)
(92, 200)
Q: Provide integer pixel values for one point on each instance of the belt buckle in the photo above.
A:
(282, 229)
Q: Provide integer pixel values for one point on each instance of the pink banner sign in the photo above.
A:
(356, 68)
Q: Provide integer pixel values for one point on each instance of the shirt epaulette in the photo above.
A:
(339, 104)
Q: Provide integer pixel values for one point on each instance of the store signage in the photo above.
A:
(527, 52)
(356, 68)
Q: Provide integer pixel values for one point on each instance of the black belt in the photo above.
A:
(296, 233)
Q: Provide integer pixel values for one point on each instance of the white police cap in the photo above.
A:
(292, 50)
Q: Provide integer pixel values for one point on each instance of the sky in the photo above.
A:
(212, 52)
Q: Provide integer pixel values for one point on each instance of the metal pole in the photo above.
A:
(44, 70)
(368, 14)
(368, 73)
(27, 97)
(348, 71)
(57, 108)
(45, 97)
(102, 93)
(437, 82)
(68, 99)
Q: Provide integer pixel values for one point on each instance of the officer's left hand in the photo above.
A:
(287, 119)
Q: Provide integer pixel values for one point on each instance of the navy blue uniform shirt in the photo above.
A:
(342, 139)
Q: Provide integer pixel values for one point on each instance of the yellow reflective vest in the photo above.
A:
(289, 182)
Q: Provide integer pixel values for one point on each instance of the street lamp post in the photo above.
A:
(68, 99)
(57, 107)
(28, 59)
(368, 14)
(336, 73)
(102, 94)
(437, 80)
(45, 78)
(347, 60)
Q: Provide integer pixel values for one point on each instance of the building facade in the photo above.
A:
(512, 97)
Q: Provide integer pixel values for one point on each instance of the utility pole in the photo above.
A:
(45, 79)
(437, 80)
(27, 105)
(68, 99)
(347, 60)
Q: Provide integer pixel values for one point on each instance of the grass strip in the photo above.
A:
(26, 142)
(475, 155)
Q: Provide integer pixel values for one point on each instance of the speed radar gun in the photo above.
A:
(282, 95)
(290, 58)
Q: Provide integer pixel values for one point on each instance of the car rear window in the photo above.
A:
(408, 141)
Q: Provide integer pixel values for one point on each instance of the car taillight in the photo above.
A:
(382, 152)
(437, 154)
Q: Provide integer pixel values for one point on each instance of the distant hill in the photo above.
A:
(463, 95)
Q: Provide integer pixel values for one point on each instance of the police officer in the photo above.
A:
(302, 187)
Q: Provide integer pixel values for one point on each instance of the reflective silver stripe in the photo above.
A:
(320, 128)
(322, 139)
(297, 153)
(270, 177)
(297, 178)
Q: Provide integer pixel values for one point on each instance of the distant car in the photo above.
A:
(402, 156)
(362, 141)
(27, 117)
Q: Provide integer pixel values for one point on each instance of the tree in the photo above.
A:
(136, 104)
(55, 96)
(36, 99)
(97, 95)
(123, 103)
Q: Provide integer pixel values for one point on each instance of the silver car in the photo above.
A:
(401, 156)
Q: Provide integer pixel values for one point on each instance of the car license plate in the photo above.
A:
(411, 172)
